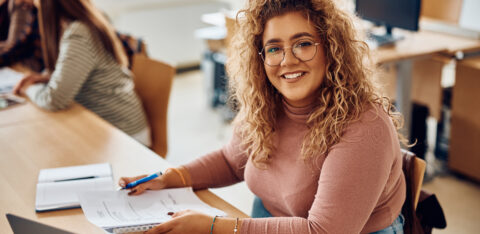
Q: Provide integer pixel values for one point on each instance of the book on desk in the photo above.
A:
(57, 188)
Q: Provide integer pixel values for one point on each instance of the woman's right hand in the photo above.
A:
(172, 178)
(155, 184)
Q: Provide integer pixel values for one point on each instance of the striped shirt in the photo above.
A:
(87, 74)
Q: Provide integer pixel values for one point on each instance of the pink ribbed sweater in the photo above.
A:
(358, 187)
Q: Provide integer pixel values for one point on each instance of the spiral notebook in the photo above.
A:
(116, 212)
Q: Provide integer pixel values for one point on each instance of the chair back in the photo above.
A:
(413, 169)
(153, 82)
(448, 11)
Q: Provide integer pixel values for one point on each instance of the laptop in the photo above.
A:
(21, 225)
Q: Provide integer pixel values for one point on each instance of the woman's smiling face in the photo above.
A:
(297, 80)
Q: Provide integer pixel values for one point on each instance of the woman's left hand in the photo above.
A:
(187, 221)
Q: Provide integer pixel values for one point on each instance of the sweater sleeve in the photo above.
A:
(352, 178)
(76, 60)
(219, 168)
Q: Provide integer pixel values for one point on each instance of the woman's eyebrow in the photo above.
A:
(295, 36)
(273, 40)
(301, 34)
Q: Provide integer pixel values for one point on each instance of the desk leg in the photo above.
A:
(404, 87)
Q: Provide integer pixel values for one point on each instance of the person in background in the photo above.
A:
(313, 139)
(19, 35)
(86, 64)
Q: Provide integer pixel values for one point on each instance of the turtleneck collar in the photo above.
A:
(297, 114)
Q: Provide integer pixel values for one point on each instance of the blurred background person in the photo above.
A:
(85, 63)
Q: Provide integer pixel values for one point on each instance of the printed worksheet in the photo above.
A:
(115, 209)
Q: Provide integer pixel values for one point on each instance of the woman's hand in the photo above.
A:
(172, 178)
(155, 184)
(22, 86)
(186, 221)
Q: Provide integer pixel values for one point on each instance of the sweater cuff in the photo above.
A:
(194, 170)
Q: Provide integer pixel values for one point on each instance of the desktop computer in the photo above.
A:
(390, 14)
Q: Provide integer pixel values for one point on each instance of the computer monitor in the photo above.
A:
(391, 14)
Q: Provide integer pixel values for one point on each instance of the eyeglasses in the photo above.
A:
(304, 50)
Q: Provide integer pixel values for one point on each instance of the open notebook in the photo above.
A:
(116, 212)
(57, 188)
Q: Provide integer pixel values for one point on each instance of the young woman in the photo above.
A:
(86, 64)
(313, 140)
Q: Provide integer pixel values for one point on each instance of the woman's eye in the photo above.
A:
(272, 50)
(304, 44)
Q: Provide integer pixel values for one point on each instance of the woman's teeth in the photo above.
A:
(293, 75)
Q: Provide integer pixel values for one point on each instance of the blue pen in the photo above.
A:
(143, 180)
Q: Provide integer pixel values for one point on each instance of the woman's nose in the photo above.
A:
(289, 58)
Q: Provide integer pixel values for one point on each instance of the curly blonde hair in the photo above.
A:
(346, 92)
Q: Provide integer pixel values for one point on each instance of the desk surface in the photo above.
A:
(32, 139)
(423, 44)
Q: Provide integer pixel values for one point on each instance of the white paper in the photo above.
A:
(65, 173)
(58, 195)
(113, 209)
(8, 79)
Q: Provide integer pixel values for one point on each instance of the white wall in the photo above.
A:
(167, 26)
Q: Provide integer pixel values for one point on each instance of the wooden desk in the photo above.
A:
(425, 44)
(418, 45)
(32, 139)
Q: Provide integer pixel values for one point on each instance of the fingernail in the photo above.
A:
(170, 213)
(132, 192)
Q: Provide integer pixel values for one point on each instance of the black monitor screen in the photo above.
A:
(391, 13)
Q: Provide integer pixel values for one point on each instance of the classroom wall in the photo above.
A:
(167, 26)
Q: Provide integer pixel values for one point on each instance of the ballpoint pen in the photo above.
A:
(142, 180)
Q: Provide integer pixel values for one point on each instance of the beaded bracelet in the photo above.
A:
(180, 174)
(213, 222)
(236, 226)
